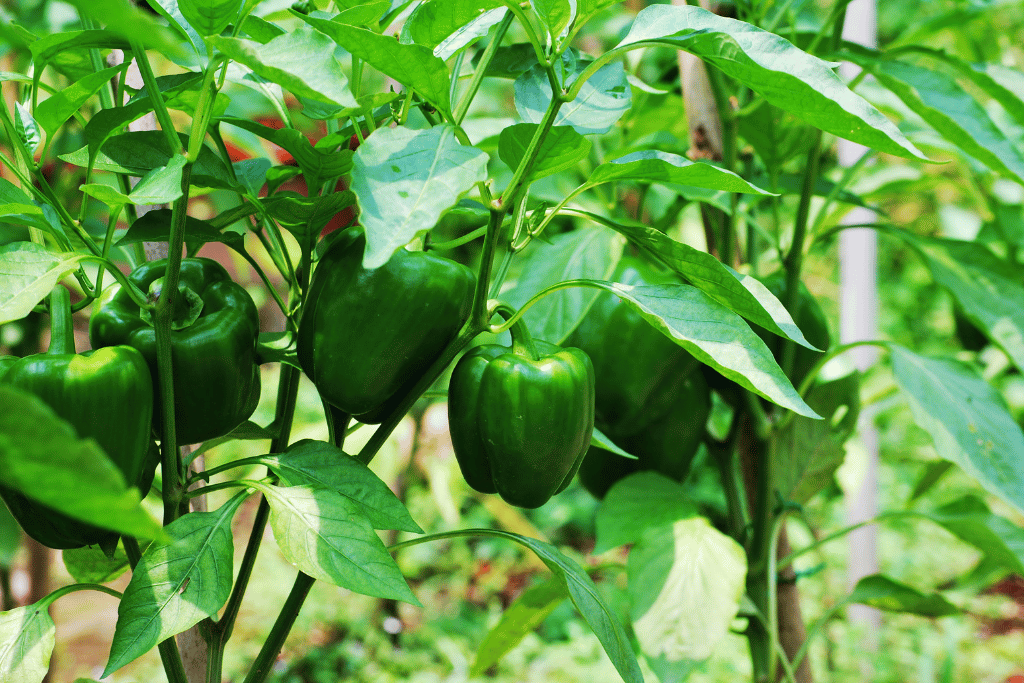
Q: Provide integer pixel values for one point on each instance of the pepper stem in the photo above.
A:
(522, 341)
(62, 332)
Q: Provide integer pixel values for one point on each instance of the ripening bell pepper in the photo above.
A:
(107, 396)
(213, 345)
(521, 418)
(366, 334)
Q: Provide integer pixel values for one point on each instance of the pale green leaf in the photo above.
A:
(27, 637)
(27, 274)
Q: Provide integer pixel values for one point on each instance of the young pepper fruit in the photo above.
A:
(521, 418)
(213, 345)
(367, 334)
(107, 396)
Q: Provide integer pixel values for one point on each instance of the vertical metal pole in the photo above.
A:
(858, 310)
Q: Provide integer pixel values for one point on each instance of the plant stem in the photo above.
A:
(279, 633)
(481, 70)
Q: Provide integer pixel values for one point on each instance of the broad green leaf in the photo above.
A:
(776, 136)
(586, 253)
(601, 102)
(447, 26)
(27, 274)
(881, 592)
(162, 185)
(42, 458)
(743, 294)
(209, 17)
(252, 173)
(106, 194)
(808, 452)
(934, 471)
(124, 20)
(771, 66)
(970, 520)
(261, 30)
(50, 47)
(362, 13)
(320, 464)
(469, 34)
(61, 106)
(511, 61)
(406, 180)
(414, 66)
(26, 128)
(686, 580)
(585, 9)
(136, 153)
(316, 164)
(994, 79)
(170, 11)
(556, 15)
(12, 194)
(27, 637)
(301, 61)
(637, 503)
(10, 537)
(651, 166)
(601, 440)
(524, 615)
(967, 419)
(176, 584)
(105, 122)
(91, 565)
(155, 226)
(715, 336)
(584, 596)
(988, 289)
(953, 113)
(561, 149)
(328, 536)
(305, 216)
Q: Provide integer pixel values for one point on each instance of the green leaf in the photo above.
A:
(320, 464)
(934, 471)
(686, 580)
(50, 47)
(42, 458)
(106, 194)
(302, 61)
(209, 17)
(808, 452)
(953, 113)
(124, 21)
(967, 419)
(316, 164)
(743, 294)
(511, 61)
(406, 180)
(170, 11)
(556, 15)
(328, 536)
(61, 106)
(882, 592)
(176, 584)
(136, 153)
(162, 185)
(635, 504)
(91, 565)
(715, 336)
(307, 216)
(27, 637)
(771, 66)
(155, 226)
(601, 102)
(10, 537)
(970, 520)
(585, 597)
(362, 13)
(599, 439)
(562, 149)
(26, 128)
(987, 288)
(651, 166)
(585, 253)
(414, 66)
(524, 615)
(27, 274)
(447, 26)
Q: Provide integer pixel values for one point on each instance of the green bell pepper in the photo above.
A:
(521, 418)
(213, 345)
(365, 335)
(107, 396)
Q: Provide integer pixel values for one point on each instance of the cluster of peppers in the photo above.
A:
(110, 394)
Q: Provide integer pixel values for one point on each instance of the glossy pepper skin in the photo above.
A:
(639, 370)
(520, 426)
(107, 396)
(365, 334)
(216, 375)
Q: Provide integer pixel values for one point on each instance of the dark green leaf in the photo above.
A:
(562, 149)
(967, 419)
(209, 17)
(61, 106)
(316, 164)
(934, 471)
(91, 565)
(304, 216)
(882, 592)
(176, 584)
(601, 102)
(599, 439)
(49, 47)
(511, 61)
(970, 520)
(317, 463)
(42, 458)
(783, 74)
(10, 537)
(636, 503)
(155, 226)
(433, 21)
